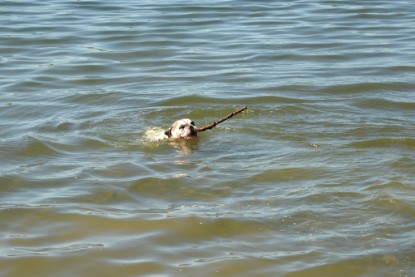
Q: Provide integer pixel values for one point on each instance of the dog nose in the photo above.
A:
(193, 130)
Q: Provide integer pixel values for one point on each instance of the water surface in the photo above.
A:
(316, 178)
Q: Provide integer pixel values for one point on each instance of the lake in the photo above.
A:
(315, 178)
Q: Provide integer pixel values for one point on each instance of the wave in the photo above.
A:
(203, 100)
(384, 143)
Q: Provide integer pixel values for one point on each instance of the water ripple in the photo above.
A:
(314, 178)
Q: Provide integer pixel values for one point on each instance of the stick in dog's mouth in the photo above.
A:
(186, 128)
(213, 124)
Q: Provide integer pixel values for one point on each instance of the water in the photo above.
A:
(316, 178)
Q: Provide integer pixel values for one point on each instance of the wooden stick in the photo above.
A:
(213, 124)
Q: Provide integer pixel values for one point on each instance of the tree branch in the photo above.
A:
(213, 124)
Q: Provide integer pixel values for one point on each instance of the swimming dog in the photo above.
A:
(183, 128)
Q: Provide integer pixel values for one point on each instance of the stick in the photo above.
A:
(211, 125)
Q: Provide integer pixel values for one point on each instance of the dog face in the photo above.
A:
(183, 128)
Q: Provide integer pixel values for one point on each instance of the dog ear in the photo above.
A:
(168, 133)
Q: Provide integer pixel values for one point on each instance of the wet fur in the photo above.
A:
(183, 128)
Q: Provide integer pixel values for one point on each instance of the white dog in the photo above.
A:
(183, 128)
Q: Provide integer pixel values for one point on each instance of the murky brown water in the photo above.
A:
(316, 178)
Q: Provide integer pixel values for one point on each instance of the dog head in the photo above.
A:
(183, 128)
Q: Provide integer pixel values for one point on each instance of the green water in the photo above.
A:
(316, 178)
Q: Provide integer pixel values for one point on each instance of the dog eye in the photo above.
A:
(193, 123)
(181, 127)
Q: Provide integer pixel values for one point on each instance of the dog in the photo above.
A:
(182, 129)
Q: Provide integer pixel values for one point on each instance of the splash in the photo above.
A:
(154, 134)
